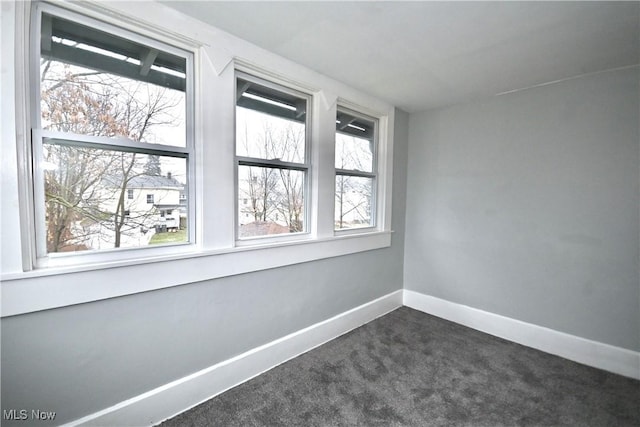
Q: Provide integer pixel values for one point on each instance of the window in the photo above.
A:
(272, 158)
(355, 165)
(110, 115)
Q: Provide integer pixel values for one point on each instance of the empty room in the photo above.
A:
(320, 213)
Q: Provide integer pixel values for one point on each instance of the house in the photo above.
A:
(507, 190)
(150, 204)
(164, 193)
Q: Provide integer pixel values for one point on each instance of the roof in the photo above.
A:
(102, 51)
(144, 181)
(153, 181)
(261, 228)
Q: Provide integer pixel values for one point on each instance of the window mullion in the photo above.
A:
(324, 161)
(216, 162)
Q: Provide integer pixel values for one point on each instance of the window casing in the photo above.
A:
(110, 114)
(272, 159)
(356, 150)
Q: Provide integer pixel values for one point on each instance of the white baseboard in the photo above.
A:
(178, 396)
(171, 399)
(599, 355)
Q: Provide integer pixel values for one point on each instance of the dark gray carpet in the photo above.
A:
(412, 369)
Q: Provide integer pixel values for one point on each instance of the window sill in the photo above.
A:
(56, 287)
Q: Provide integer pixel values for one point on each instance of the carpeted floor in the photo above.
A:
(412, 369)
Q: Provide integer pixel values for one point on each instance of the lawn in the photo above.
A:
(161, 238)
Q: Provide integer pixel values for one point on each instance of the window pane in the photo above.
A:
(99, 199)
(353, 202)
(354, 153)
(95, 83)
(270, 201)
(355, 142)
(270, 124)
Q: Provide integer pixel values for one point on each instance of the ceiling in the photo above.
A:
(423, 55)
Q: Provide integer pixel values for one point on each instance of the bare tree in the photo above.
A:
(274, 194)
(69, 192)
(138, 117)
(259, 183)
(353, 194)
(153, 167)
(291, 202)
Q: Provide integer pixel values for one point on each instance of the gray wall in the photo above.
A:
(526, 205)
(81, 359)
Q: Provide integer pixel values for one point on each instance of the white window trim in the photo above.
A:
(216, 253)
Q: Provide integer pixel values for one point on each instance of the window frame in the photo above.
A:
(269, 82)
(41, 258)
(374, 223)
